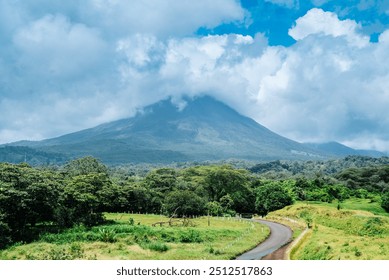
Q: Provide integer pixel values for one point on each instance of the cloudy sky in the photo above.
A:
(310, 70)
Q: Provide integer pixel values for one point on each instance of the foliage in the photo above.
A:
(214, 208)
(33, 199)
(385, 201)
(80, 202)
(84, 166)
(35, 157)
(310, 169)
(271, 196)
(27, 197)
(155, 246)
(107, 235)
(161, 180)
(184, 204)
(224, 180)
(373, 179)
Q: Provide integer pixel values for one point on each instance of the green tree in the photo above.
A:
(142, 199)
(5, 233)
(27, 196)
(222, 180)
(214, 208)
(112, 198)
(84, 166)
(184, 203)
(271, 196)
(162, 180)
(81, 200)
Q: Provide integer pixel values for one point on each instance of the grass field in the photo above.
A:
(363, 204)
(132, 236)
(340, 234)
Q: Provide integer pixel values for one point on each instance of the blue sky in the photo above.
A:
(312, 70)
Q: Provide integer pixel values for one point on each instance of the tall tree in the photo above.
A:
(84, 166)
(271, 196)
(184, 203)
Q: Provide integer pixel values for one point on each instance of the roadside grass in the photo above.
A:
(369, 205)
(339, 234)
(132, 236)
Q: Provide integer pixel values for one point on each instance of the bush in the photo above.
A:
(107, 235)
(307, 217)
(373, 226)
(155, 246)
(214, 208)
(385, 201)
(61, 253)
(190, 236)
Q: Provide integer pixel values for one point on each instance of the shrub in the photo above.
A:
(385, 201)
(58, 254)
(373, 227)
(107, 235)
(307, 217)
(190, 236)
(76, 250)
(357, 253)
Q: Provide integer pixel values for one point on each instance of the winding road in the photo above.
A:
(279, 236)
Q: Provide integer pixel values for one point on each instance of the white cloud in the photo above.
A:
(161, 17)
(319, 22)
(218, 65)
(54, 46)
(326, 88)
(141, 51)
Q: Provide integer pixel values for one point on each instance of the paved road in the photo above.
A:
(279, 236)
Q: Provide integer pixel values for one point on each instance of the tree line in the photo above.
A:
(36, 200)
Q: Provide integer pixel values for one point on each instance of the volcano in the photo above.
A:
(205, 129)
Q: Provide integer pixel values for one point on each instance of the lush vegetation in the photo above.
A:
(36, 202)
(132, 236)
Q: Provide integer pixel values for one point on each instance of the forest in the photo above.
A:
(38, 200)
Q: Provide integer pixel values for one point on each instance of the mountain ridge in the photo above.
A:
(205, 129)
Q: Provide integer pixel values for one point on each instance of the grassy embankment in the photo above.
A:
(359, 230)
(132, 236)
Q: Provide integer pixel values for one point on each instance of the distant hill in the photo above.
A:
(339, 150)
(205, 129)
(18, 154)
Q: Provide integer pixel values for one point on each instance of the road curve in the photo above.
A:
(279, 236)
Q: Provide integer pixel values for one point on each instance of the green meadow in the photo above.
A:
(133, 237)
